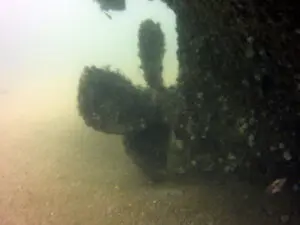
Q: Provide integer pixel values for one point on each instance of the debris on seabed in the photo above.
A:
(276, 186)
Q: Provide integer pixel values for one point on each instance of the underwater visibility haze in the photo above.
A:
(149, 112)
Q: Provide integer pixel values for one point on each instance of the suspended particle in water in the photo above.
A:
(287, 155)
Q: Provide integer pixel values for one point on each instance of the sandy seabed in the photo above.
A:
(55, 170)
